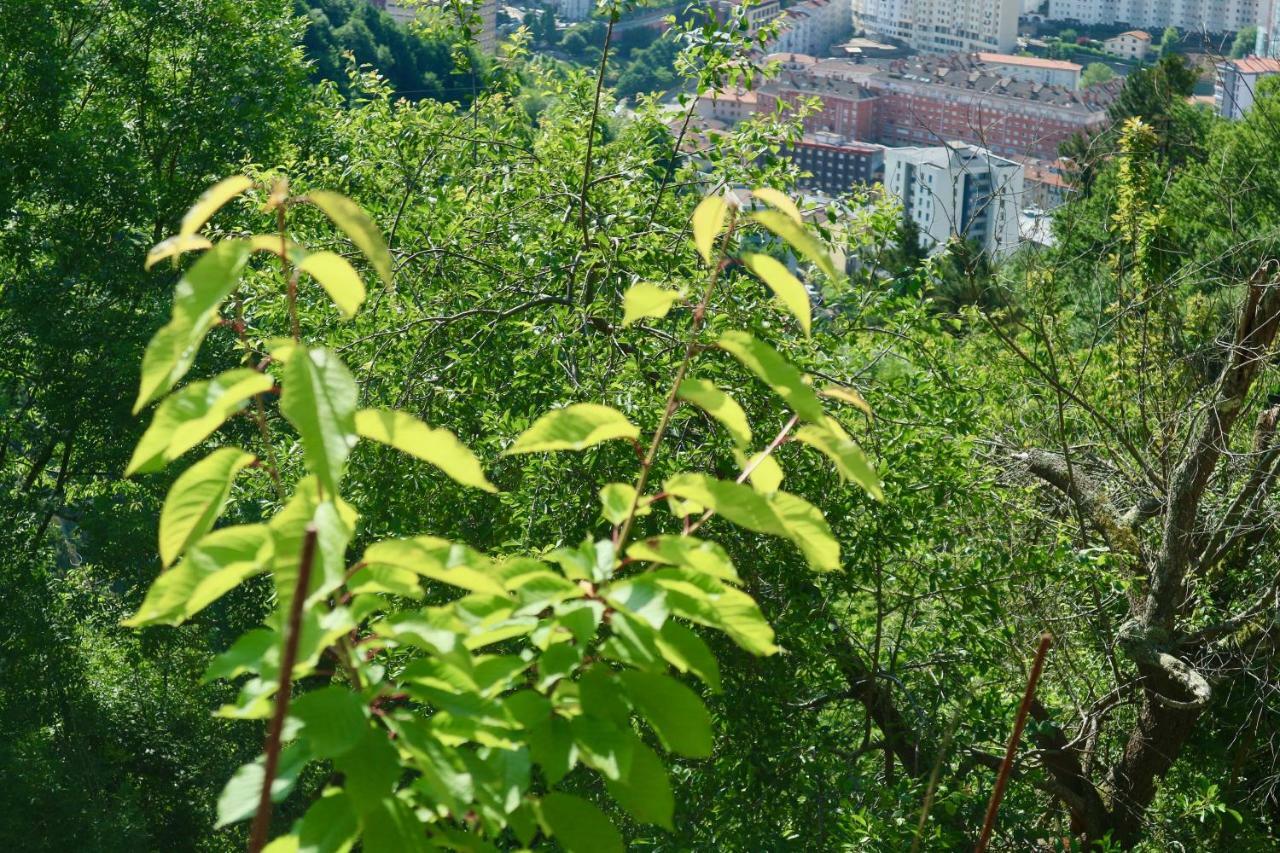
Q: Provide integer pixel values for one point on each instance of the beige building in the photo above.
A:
(1050, 72)
(1131, 45)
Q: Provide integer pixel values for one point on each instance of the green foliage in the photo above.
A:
(1096, 72)
(1244, 42)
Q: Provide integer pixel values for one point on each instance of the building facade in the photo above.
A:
(1237, 81)
(958, 191)
(942, 26)
(1131, 45)
(834, 164)
(1051, 72)
(757, 16)
(1215, 16)
(812, 26)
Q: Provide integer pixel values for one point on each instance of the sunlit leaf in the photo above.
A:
(195, 500)
(687, 552)
(775, 198)
(799, 239)
(786, 287)
(846, 395)
(357, 225)
(319, 399)
(440, 447)
(850, 461)
(766, 474)
(686, 651)
(720, 406)
(647, 300)
(329, 826)
(196, 299)
(191, 415)
(212, 567)
(645, 792)
(210, 201)
(574, 427)
(708, 222)
(776, 372)
(239, 799)
(617, 499)
(333, 720)
(174, 246)
(438, 559)
(338, 278)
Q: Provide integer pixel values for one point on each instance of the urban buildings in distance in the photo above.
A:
(942, 26)
(1214, 16)
(1237, 81)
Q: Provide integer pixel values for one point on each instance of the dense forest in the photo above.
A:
(412, 450)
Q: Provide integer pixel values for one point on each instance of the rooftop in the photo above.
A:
(1255, 65)
(968, 72)
(1138, 34)
(1029, 61)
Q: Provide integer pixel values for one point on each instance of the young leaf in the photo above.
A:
(333, 720)
(239, 799)
(776, 372)
(574, 427)
(438, 559)
(786, 287)
(708, 222)
(647, 300)
(780, 201)
(440, 447)
(334, 521)
(213, 567)
(175, 246)
(781, 514)
(645, 792)
(846, 395)
(675, 712)
(210, 201)
(357, 225)
(195, 500)
(319, 399)
(617, 500)
(688, 552)
(329, 826)
(196, 298)
(720, 406)
(192, 414)
(766, 474)
(851, 463)
(579, 826)
(799, 239)
(338, 278)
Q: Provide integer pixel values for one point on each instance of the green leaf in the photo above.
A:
(781, 514)
(647, 300)
(440, 447)
(196, 498)
(196, 299)
(338, 278)
(708, 222)
(718, 405)
(776, 372)
(687, 552)
(214, 566)
(785, 286)
(617, 500)
(686, 651)
(799, 239)
(210, 201)
(174, 246)
(192, 414)
(766, 474)
(357, 225)
(779, 200)
(578, 825)
(239, 799)
(439, 560)
(333, 720)
(334, 522)
(574, 427)
(675, 712)
(851, 463)
(846, 395)
(319, 399)
(329, 826)
(645, 791)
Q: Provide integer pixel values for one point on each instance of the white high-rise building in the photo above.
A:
(958, 190)
(942, 26)
(1215, 16)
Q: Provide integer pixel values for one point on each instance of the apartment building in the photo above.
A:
(848, 108)
(959, 191)
(757, 15)
(1133, 44)
(1214, 16)
(1051, 72)
(812, 26)
(942, 26)
(1236, 85)
(836, 164)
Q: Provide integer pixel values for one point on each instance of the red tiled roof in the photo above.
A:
(1256, 65)
(1028, 61)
